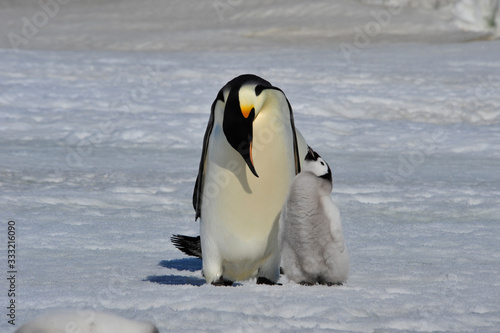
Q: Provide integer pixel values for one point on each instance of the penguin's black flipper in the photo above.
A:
(187, 244)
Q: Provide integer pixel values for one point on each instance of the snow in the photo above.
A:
(84, 321)
(102, 115)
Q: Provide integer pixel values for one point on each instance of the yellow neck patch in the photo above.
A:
(246, 109)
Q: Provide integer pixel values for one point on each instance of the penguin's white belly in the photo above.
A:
(240, 212)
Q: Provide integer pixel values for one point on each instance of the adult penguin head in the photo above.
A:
(242, 104)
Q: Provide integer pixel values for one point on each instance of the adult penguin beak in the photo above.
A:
(247, 156)
(238, 129)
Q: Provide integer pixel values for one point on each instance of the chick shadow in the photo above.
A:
(187, 264)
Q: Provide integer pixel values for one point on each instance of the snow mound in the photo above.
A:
(84, 321)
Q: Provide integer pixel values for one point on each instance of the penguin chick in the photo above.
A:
(311, 241)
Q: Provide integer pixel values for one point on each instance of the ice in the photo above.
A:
(102, 116)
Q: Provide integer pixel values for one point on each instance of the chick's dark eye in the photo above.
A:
(322, 163)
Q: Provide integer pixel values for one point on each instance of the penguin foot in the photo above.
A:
(330, 284)
(264, 280)
(222, 282)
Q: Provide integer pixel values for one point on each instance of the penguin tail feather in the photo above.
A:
(187, 244)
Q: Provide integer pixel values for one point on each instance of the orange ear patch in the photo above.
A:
(246, 109)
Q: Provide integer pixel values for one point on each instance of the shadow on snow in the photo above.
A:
(187, 264)
(176, 280)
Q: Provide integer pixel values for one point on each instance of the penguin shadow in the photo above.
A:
(184, 264)
(187, 264)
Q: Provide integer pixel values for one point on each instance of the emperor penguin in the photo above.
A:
(310, 237)
(251, 153)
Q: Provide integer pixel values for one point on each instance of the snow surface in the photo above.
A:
(84, 321)
(100, 142)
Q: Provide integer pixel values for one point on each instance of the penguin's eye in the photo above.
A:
(322, 163)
